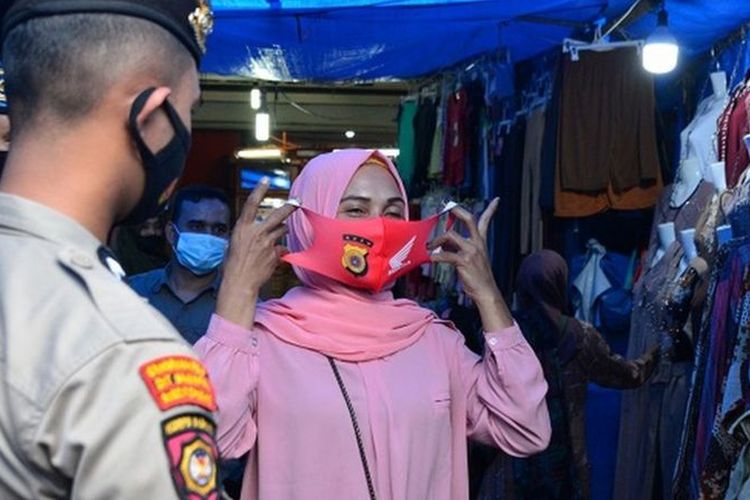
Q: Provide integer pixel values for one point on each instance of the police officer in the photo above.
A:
(99, 396)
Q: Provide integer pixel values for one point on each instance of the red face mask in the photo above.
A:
(365, 253)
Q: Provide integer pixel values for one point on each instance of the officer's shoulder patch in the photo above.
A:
(192, 452)
(178, 380)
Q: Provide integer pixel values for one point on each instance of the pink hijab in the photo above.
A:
(324, 315)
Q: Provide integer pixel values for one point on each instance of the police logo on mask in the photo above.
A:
(354, 259)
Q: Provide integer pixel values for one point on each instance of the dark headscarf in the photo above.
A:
(541, 286)
(543, 280)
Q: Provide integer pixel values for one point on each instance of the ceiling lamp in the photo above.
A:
(258, 153)
(256, 98)
(262, 126)
(350, 134)
(661, 50)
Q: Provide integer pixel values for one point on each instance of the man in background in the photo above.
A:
(184, 291)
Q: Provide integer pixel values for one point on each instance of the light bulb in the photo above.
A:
(262, 126)
(350, 134)
(256, 98)
(661, 50)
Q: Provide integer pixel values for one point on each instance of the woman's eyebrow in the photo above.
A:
(355, 198)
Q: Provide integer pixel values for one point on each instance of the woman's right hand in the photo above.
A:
(252, 257)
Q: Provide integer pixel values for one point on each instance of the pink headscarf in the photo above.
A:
(324, 315)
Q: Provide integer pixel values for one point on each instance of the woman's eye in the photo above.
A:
(394, 215)
(355, 211)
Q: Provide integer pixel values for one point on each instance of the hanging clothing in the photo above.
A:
(712, 340)
(406, 141)
(548, 161)
(456, 139)
(506, 228)
(607, 123)
(578, 204)
(531, 214)
(733, 126)
(651, 416)
(435, 168)
(424, 131)
(590, 284)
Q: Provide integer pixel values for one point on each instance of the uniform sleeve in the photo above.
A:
(505, 394)
(112, 435)
(609, 369)
(230, 353)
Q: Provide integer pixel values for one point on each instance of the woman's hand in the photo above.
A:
(251, 259)
(471, 259)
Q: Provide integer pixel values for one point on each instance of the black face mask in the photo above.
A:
(3, 157)
(164, 168)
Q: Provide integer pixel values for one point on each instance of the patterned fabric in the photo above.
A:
(719, 395)
(685, 483)
(651, 416)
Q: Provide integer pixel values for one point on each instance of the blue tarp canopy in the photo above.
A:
(329, 40)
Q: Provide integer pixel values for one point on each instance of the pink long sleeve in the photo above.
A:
(230, 353)
(506, 392)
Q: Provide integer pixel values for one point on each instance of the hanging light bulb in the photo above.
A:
(661, 50)
(262, 126)
(256, 98)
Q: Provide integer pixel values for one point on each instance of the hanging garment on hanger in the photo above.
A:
(732, 127)
(607, 123)
(651, 416)
(456, 140)
(405, 160)
(425, 121)
(590, 284)
(435, 167)
(531, 182)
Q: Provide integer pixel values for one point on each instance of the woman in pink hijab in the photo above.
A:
(338, 392)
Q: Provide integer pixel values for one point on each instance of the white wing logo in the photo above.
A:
(399, 260)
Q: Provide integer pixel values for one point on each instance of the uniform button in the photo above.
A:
(492, 341)
(83, 261)
(255, 342)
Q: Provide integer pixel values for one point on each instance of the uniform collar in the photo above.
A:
(26, 216)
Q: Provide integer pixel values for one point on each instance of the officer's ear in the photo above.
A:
(152, 122)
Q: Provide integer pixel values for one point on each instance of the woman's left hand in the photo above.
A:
(469, 255)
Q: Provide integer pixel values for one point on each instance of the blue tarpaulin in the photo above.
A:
(329, 40)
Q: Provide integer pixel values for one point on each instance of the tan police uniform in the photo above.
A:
(99, 398)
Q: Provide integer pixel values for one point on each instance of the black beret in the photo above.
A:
(190, 21)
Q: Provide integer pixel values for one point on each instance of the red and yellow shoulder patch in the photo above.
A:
(178, 380)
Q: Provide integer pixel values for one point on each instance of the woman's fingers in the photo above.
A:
(451, 237)
(250, 208)
(467, 218)
(486, 218)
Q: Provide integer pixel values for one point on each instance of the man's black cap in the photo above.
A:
(190, 21)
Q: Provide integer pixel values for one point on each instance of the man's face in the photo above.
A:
(152, 227)
(207, 216)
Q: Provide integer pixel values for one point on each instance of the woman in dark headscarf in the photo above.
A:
(572, 353)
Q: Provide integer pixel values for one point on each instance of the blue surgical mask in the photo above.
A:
(200, 253)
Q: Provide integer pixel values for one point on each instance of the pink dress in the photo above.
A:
(415, 409)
